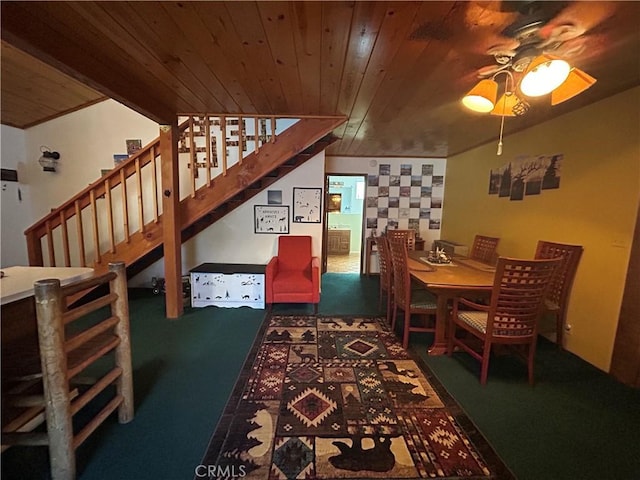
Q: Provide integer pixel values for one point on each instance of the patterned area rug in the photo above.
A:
(339, 398)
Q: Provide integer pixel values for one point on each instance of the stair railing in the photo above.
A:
(127, 198)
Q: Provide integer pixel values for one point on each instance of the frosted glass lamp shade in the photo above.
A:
(482, 97)
(544, 74)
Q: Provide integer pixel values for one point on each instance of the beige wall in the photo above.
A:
(15, 199)
(595, 206)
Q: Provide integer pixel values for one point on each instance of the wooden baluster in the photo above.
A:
(154, 185)
(83, 257)
(273, 129)
(193, 156)
(107, 195)
(208, 147)
(140, 205)
(94, 221)
(125, 205)
(257, 135)
(240, 145)
(223, 129)
(52, 255)
(120, 309)
(65, 240)
(34, 250)
(49, 307)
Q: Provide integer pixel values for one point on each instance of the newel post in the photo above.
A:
(171, 221)
(120, 309)
(53, 359)
(34, 249)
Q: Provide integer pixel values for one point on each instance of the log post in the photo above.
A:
(120, 309)
(53, 359)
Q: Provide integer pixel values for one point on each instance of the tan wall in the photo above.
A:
(595, 206)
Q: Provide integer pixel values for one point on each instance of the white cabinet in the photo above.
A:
(227, 285)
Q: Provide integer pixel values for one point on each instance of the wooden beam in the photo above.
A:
(171, 219)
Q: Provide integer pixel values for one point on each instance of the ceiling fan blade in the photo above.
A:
(470, 27)
(560, 33)
(577, 17)
(570, 48)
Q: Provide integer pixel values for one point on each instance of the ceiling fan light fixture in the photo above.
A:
(544, 74)
(576, 83)
(482, 97)
(506, 104)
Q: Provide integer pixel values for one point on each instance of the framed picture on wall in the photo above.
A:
(274, 197)
(271, 219)
(307, 205)
(334, 202)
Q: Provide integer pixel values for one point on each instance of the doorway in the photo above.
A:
(344, 220)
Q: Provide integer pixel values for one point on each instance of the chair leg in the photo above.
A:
(559, 331)
(531, 362)
(484, 371)
(389, 306)
(393, 318)
(405, 332)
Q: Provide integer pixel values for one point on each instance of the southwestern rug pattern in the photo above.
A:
(339, 398)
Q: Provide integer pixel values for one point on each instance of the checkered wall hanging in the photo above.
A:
(404, 195)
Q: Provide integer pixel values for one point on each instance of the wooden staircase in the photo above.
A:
(118, 217)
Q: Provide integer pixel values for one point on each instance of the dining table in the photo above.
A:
(462, 276)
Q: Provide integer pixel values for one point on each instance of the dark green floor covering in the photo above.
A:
(576, 423)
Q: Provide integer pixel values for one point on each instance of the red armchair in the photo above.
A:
(293, 275)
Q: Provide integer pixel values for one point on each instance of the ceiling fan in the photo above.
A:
(532, 34)
(532, 54)
(532, 59)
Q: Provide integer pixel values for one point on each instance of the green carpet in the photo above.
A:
(576, 423)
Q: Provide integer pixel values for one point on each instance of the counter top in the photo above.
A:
(17, 282)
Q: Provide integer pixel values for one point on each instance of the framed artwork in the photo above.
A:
(307, 205)
(334, 202)
(118, 158)
(274, 197)
(133, 145)
(271, 219)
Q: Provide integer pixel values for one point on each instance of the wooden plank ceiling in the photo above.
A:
(397, 70)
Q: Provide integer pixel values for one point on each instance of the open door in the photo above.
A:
(344, 223)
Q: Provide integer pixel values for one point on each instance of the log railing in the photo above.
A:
(108, 212)
(69, 340)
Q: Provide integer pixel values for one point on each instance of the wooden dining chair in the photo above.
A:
(386, 274)
(557, 300)
(511, 318)
(411, 301)
(409, 236)
(484, 249)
